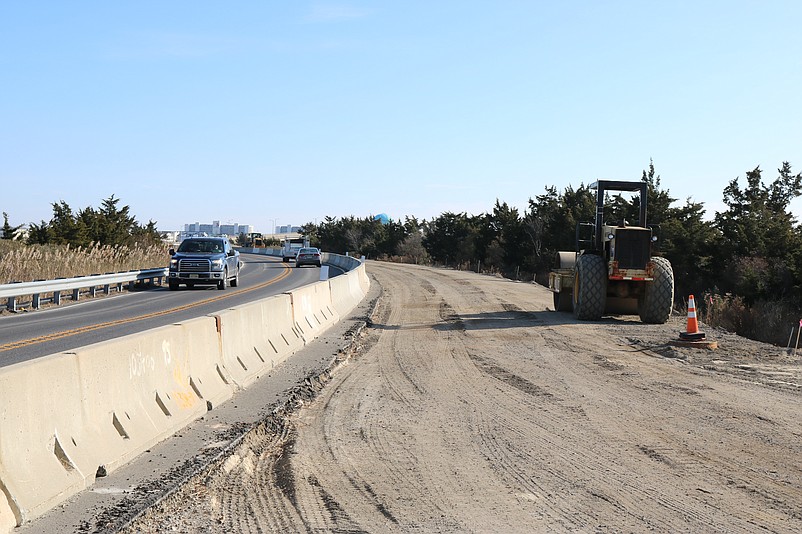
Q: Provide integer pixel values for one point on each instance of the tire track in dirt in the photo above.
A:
(701, 468)
(608, 365)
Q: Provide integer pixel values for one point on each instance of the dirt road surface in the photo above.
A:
(475, 408)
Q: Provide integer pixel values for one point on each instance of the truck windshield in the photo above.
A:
(201, 245)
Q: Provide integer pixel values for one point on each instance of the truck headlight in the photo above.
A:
(217, 265)
(173, 264)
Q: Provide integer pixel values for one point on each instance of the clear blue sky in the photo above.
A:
(263, 111)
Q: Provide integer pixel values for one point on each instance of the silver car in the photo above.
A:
(308, 256)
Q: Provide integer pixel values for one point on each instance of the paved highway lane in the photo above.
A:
(28, 335)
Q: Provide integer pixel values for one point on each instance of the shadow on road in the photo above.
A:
(502, 320)
(494, 321)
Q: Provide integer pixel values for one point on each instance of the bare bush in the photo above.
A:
(765, 321)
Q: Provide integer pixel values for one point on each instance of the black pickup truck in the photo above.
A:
(204, 261)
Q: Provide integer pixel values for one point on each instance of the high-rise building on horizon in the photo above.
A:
(215, 228)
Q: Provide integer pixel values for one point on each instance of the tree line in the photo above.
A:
(753, 248)
(108, 225)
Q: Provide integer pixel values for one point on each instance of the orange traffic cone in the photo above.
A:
(692, 332)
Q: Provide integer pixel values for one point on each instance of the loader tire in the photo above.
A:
(562, 301)
(655, 305)
(590, 287)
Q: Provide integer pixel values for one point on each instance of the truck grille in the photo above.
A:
(194, 266)
(632, 248)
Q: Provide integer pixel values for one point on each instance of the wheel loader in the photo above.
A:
(612, 270)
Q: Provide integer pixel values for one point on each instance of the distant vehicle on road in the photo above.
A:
(290, 247)
(204, 261)
(308, 256)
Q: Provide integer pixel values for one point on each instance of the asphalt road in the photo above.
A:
(28, 335)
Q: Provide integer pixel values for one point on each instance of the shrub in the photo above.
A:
(767, 321)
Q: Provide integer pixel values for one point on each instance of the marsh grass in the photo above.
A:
(26, 263)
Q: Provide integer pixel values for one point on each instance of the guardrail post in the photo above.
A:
(11, 304)
(56, 297)
(107, 288)
(93, 291)
(36, 300)
(76, 293)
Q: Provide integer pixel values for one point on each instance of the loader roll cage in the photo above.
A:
(602, 187)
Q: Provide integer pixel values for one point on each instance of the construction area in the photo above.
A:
(468, 405)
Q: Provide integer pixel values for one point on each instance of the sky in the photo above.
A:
(273, 113)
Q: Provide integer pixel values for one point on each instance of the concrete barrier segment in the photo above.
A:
(279, 327)
(67, 414)
(243, 342)
(41, 414)
(313, 310)
(364, 280)
(255, 337)
(345, 292)
(139, 389)
(7, 518)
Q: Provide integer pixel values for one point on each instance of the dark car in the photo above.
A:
(204, 261)
(308, 256)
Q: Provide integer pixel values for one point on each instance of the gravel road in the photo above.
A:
(472, 407)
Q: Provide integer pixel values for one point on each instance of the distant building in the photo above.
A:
(288, 229)
(21, 234)
(171, 237)
(231, 230)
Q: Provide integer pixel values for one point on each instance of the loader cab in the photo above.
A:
(623, 244)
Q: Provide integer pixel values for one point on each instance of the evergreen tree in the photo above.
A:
(65, 228)
(115, 225)
(451, 238)
(144, 235)
(9, 232)
(758, 236)
(551, 223)
(689, 243)
(39, 234)
(510, 236)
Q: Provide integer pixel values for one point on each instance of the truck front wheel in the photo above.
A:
(590, 287)
(224, 282)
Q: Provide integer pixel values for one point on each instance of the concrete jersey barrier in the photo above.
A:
(67, 416)
(258, 336)
(101, 405)
(312, 309)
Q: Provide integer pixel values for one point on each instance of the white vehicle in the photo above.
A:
(290, 247)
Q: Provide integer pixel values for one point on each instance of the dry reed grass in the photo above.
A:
(26, 263)
(765, 321)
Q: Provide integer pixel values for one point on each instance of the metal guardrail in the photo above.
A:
(12, 292)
